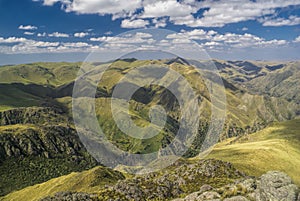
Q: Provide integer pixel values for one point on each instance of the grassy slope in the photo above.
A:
(89, 181)
(12, 97)
(274, 148)
(54, 74)
(41, 74)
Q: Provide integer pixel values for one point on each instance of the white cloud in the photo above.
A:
(27, 27)
(211, 39)
(77, 45)
(246, 41)
(12, 40)
(297, 40)
(292, 20)
(29, 33)
(159, 22)
(139, 23)
(137, 38)
(108, 33)
(81, 34)
(217, 12)
(59, 35)
(232, 11)
(170, 8)
(44, 44)
(52, 2)
(196, 34)
(101, 7)
(42, 34)
(14, 45)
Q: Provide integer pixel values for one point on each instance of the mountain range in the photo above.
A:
(42, 157)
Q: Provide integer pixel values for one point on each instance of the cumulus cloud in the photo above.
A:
(12, 40)
(196, 34)
(117, 8)
(183, 12)
(138, 37)
(170, 8)
(43, 44)
(14, 45)
(220, 13)
(210, 39)
(108, 33)
(27, 27)
(81, 34)
(28, 33)
(159, 22)
(59, 35)
(42, 34)
(297, 40)
(275, 22)
(139, 23)
(77, 45)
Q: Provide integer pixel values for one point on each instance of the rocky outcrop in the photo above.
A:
(272, 186)
(47, 141)
(38, 144)
(276, 186)
(37, 132)
(71, 196)
(183, 178)
(32, 115)
(185, 181)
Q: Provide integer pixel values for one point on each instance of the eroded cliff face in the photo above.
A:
(32, 115)
(37, 144)
(47, 141)
(35, 131)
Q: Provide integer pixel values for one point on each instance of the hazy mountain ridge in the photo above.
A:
(266, 78)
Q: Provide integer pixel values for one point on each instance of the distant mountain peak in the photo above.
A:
(129, 60)
(178, 60)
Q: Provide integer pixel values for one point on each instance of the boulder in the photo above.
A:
(275, 185)
(236, 198)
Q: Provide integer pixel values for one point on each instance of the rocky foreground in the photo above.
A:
(273, 185)
(205, 180)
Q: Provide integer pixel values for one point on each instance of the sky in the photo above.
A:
(69, 30)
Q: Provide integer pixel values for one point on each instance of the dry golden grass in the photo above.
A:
(90, 181)
(274, 148)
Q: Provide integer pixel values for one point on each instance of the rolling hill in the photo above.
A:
(273, 148)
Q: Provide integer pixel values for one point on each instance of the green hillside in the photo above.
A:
(273, 148)
(50, 74)
(89, 181)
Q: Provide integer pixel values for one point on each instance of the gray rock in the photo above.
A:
(236, 198)
(251, 196)
(249, 185)
(192, 196)
(206, 196)
(205, 188)
(276, 185)
(210, 195)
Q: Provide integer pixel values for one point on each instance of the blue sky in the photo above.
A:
(67, 30)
